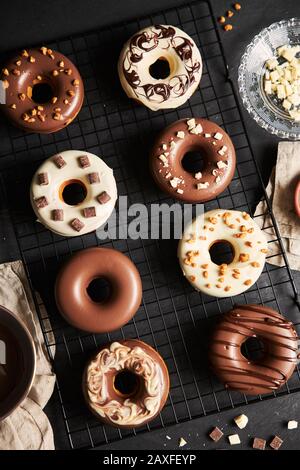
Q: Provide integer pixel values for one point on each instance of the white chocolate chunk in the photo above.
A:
(198, 175)
(221, 164)
(272, 64)
(218, 136)
(287, 104)
(172, 144)
(274, 76)
(203, 185)
(182, 442)
(268, 87)
(214, 172)
(234, 439)
(180, 134)
(168, 175)
(164, 159)
(281, 92)
(292, 424)
(174, 182)
(180, 191)
(207, 135)
(241, 421)
(196, 130)
(164, 146)
(218, 179)
(191, 123)
(294, 99)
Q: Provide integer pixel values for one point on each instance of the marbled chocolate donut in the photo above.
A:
(44, 90)
(73, 280)
(160, 42)
(189, 135)
(280, 342)
(147, 375)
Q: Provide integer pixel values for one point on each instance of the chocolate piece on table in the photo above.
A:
(216, 434)
(41, 202)
(84, 161)
(94, 177)
(43, 179)
(276, 443)
(103, 198)
(59, 161)
(58, 215)
(89, 211)
(259, 443)
(77, 225)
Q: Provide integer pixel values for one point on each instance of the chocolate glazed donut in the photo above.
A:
(190, 135)
(279, 359)
(74, 302)
(126, 384)
(44, 90)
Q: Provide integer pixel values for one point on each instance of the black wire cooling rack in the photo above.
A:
(173, 318)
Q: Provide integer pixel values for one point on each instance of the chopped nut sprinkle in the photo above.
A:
(244, 257)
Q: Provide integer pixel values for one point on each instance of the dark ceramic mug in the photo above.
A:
(17, 362)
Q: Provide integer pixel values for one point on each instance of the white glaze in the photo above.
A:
(165, 49)
(73, 171)
(191, 242)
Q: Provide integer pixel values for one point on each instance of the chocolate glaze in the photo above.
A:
(67, 82)
(209, 152)
(146, 401)
(280, 349)
(74, 302)
(17, 374)
(145, 41)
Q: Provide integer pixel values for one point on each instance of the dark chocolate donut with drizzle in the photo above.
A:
(44, 90)
(280, 342)
(160, 43)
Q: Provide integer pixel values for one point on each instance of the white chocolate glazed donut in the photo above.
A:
(87, 170)
(144, 49)
(247, 241)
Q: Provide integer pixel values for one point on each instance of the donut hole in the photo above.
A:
(253, 349)
(99, 290)
(160, 69)
(41, 93)
(126, 383)
(193, 162)
(73, 192)
(221, 252)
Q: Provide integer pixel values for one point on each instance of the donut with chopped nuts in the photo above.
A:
(44, 90)
(73, 193)
(139, 56)
(246, 240)
(193, 135)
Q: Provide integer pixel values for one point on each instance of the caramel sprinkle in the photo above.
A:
(244, 257)
(70, 92)
(213, 220)
(255, 264)
(13, 106)
(248, 282)
(249, 244)
(43, 50)
(227, 288)
(31, 59)
(243, 228)
(54, 99)
(24, 53)
(75, 82)
(264, 250)
(5, 72)
(192, 278)
(204, 266)
(205, 274)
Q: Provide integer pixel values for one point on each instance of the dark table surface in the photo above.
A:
(32, 22)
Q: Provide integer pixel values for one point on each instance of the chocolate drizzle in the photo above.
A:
(162, 38)
(280, 349)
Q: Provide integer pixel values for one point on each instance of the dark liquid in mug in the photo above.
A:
(10, 362)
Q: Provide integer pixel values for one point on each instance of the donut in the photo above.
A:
(279, 359)
(246, 240)
(73, 169)
(193, 135)
(126, 384)
(44, 90)
(160, 43)
(72, 295)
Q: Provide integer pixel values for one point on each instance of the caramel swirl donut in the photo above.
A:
(74, 302)
(160, 42)
(189, 135)
(280, 342)
(137, 405)
(44, 90)
(248, 244)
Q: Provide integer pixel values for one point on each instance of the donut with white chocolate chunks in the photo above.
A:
(44, 90)
(94, 179)
(143, 392)
(189, 135)
(247, 241)
(145, 48)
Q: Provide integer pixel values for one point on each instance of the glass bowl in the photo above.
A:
(265, 109)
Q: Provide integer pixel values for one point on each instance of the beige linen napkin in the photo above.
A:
(27, 428)
(281, 190)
